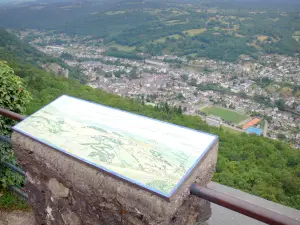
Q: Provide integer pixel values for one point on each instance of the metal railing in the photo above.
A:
(217, 197)
(242, 207)
(18, 117)
(11, 115)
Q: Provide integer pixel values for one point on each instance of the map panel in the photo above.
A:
(153, 154)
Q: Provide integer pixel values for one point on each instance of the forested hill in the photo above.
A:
(12, 49)
(261, 166)
(218, 29)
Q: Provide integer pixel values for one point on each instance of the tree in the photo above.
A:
(280, 103)
(66, 56)
(193, 82)
(184, 77)
(281, 136)
(206, 69)
(179, 110)
(180, 96)
(133, 73)
(14, 97)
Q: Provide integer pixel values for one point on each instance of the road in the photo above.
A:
(265, 133)
(231, 127)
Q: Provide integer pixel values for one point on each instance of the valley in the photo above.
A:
(256, 87)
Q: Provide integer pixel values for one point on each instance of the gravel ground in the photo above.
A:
(16, 218)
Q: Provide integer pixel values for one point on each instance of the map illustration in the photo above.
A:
(147, 152)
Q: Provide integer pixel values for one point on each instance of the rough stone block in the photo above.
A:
(58, 189)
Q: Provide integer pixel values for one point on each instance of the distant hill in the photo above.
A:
(14, 2)
(12, 49)
(216, 29)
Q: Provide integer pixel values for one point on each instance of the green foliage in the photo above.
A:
(281, 136)
(280, 103)
(120, 54)
(259, 166)
(10, 201)
(66, 56)
(263, 100)
(264, 82)
(180, 97)
(14, 97)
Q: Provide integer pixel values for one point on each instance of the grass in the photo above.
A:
(111, 13)
(174, 22)
(225, 114)
(74, 50)
(297, 33)
(193, 54)
(271, 88)
(160, 40)
(296, 37)
(10, 201)
(194, 32)
(177, 12)
(212, 18)
(232, 17)
(163, 39)
(239, 35)
(230, 130)
(275, 19)
(255, 45)
(262, 38)
(212, 11)
(286, 91)
(123, 48)
(244, 18)
(234, 28)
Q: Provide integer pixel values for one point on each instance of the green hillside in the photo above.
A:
(11, 49)
(261, 166)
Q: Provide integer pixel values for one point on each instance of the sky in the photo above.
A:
(5, 1)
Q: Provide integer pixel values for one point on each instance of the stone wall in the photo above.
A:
(65, 191)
